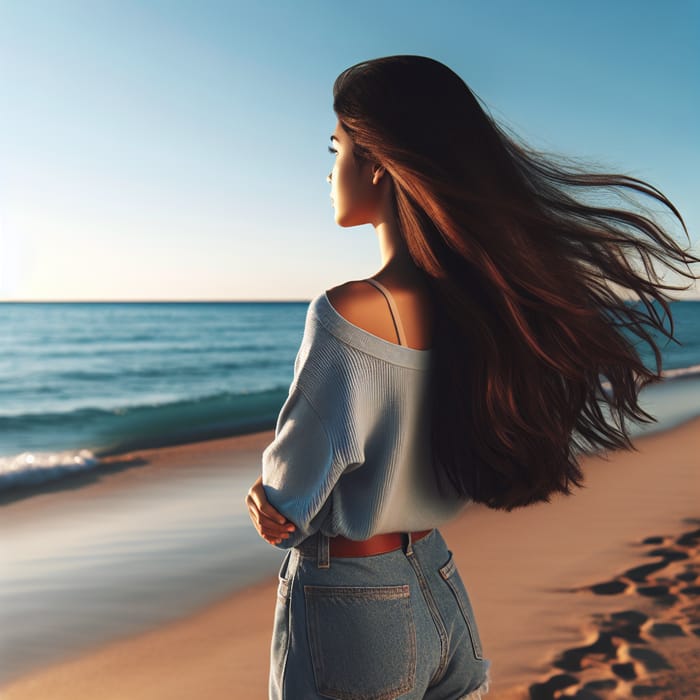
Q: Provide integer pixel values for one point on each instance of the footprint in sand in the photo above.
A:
(668, 554)
(650, 659)
(660, 593)
(639, 573)
(603, 648)
(613, 587)
(625, 671)
(626, 625)
(652, 591)
(546, 690)
(601, 684)
(623, 647)
(666, 629)
(689, 539)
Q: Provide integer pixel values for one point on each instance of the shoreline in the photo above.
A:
(520, 569)
(116, 470)
(673, 402)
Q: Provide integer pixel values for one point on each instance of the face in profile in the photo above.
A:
(353, 194)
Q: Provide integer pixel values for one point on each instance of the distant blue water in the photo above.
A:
(79, 381)
(112, 377)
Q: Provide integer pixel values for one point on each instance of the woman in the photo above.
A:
(467, 369)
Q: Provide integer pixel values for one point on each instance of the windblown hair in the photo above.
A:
(527, 280)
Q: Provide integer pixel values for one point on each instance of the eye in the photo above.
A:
(332, 150)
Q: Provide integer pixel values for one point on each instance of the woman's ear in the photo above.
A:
(377, 173)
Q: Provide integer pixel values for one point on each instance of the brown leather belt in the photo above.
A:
(379, 544)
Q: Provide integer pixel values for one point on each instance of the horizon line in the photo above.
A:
(199, 301)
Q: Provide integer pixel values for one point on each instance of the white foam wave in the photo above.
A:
(681, 372)
(29, 468)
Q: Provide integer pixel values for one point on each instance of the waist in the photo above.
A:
(379, 544)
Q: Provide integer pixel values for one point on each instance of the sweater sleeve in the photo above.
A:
(316, 436)
(299, 468)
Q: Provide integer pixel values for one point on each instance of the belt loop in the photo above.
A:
(409, 544)
(322, 552)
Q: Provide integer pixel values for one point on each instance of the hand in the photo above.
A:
(271, 525)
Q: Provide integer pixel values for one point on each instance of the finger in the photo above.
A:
(261, 520)
(273, 514)
(272, 522)
(273, 528)
(267, 527)
(257, 496)
(273, 534)
(271, 539)
(254, 517)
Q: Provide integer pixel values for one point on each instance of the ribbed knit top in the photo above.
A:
(351, 452)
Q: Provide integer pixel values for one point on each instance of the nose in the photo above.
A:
(328, 177)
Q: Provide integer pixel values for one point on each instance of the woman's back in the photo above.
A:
(351, 455)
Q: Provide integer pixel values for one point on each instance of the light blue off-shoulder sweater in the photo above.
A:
(351, 453)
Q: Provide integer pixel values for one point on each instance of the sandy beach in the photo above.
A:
(594, 595)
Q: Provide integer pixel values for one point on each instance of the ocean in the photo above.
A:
(81, 381)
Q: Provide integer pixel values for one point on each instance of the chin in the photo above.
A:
(345, 221)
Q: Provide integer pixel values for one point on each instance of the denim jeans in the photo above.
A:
(386, 626)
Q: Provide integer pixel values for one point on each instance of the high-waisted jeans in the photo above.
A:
(380, 627)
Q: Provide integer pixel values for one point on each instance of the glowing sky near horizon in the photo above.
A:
(178, 150)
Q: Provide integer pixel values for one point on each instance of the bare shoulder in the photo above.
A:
(356, 301)
(365, 306)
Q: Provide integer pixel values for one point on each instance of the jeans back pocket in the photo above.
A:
(451, 576)
(362, 640)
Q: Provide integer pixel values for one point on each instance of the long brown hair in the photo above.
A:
(528, 281)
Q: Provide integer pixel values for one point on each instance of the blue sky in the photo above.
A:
(177, 150)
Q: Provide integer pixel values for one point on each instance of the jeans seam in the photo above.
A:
(437, 619)
(447, 571)
(288, 617)
(476, 646)
(363, 592)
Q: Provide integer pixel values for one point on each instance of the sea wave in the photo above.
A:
(681, 372)
(33, 468)
(77, 439)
